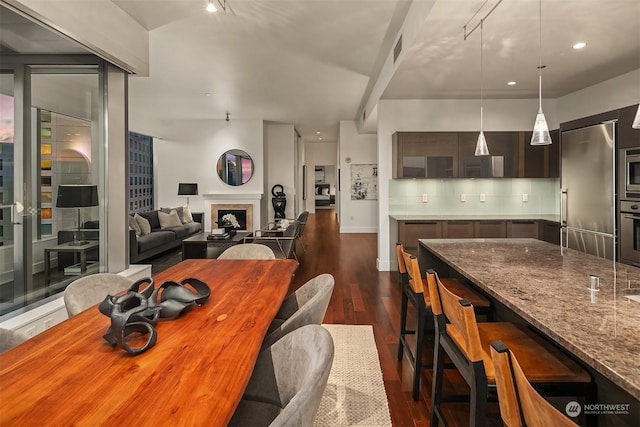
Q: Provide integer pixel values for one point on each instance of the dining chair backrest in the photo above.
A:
(90, 290)
(306, 306)
(248, 251)
(10, 339)
(520, 404)
(302, 220)
(459, 315)
(288, 380)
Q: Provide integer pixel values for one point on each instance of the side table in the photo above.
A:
(81, 250)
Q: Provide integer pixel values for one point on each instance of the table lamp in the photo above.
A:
(77, 196)
(188, 189)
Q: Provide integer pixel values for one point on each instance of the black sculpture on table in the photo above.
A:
(279, 201)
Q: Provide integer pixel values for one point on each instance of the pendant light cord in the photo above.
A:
(481, 75)
(540, 56)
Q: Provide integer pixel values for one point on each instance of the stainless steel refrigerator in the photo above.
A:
(588, 193)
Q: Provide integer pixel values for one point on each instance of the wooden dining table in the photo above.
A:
(195, 374)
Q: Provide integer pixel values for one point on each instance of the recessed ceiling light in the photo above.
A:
(579, 45)
(211, 7)
(512, 83)
(318, 132)
(320, 138)
(207, 94)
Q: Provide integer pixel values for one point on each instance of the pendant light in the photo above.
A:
(636, 121)
(481, 145)
(540, 134)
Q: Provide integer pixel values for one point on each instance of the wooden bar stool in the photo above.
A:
(414, 291)
(520, 403)
(467, 344)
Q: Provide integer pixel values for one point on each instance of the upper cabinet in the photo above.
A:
(628, 137)
(425, 154)
(501, 163)
(452, 155)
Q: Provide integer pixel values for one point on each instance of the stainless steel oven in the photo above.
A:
(630, 232)
(629, 171)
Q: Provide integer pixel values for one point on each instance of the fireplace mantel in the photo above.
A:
(212, 201)
(233, 196)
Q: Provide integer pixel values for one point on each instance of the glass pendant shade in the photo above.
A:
(636, 121)
(481, 145)
(540, 134)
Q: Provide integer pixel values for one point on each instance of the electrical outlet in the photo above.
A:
(48, 323)
(31, 332)
(463, 197)
(525, 197)
(425, 198)
(482, 197)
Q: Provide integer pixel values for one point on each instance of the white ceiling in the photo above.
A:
(313, 62)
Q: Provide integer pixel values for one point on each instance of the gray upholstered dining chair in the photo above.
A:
(248, 251)
(306, 306)
(91, 290)
(9, 339)
(288, 381)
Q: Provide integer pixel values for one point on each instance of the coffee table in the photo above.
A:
(199, 247)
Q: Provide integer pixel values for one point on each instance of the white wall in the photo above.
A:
(281, 158)
(189, 151)
(612, 94)
(356, 216)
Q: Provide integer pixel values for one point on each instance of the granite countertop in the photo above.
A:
(550, 291)
(432, 217)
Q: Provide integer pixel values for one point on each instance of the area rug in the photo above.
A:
(355, 394)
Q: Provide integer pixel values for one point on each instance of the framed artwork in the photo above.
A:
(364, 182)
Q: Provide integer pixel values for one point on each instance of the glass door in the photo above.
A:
(49, 136)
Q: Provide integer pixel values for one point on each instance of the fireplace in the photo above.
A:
(242, 212)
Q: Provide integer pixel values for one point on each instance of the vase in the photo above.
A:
(230, 230)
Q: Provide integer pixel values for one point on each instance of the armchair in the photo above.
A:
(281, 243)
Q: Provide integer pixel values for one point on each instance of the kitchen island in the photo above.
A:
(550, 291)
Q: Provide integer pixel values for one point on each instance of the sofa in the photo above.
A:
(159, 239)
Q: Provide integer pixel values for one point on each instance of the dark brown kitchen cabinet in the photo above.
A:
(489, 229)
(501, 163)
(539, 161)
(550, 232)
(457, 230)
(410, 231)
(627, 137)
(523, 229)
(425, 155)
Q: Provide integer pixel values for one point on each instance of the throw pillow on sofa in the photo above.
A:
(133, 225)
(187, 214)
(168, 220)
(179, 210)
(144, 225)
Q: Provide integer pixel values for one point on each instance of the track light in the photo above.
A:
(227, 119)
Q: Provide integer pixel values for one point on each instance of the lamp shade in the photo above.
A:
(187, 189)
(77, 196)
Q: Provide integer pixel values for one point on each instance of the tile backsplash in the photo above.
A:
(501, 196)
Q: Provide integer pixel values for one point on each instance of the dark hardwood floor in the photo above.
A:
(365, 296)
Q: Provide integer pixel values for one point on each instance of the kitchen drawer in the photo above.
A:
(489, 229)
(457, 229)
(410, 231)
(523, 229)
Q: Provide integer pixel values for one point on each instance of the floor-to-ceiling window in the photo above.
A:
(52, 142)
